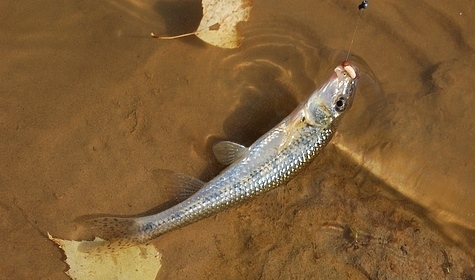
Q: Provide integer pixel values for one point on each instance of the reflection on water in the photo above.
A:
(427, 157)
(88, 116)
(417, 146)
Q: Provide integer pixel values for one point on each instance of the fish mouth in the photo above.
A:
(351, 70)
(345, 70)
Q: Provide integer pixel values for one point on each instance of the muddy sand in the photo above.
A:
(92, 108)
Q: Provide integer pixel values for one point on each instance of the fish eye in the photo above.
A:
(340, 104)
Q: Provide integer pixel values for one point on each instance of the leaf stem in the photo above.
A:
(172, 37)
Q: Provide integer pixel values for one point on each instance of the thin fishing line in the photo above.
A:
(363, 5)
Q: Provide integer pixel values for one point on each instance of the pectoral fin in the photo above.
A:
(227, 152)
(296, 122)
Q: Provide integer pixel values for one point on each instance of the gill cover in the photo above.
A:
(334, 97)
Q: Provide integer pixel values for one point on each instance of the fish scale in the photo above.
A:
(274, 159)
(220, 194)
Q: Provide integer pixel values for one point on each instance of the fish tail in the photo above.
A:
(116, 233)
(112, 227)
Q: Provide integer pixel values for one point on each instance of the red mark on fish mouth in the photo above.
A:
(350, 69)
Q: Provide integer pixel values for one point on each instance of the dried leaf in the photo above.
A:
(218, 25)
(138, 262)
(220, 17)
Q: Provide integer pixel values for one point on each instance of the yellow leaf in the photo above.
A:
(138, 262)
(218, 25)
(220, 17)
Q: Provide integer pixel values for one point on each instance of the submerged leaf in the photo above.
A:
(138, 262)
(220, 17)
(218, 25)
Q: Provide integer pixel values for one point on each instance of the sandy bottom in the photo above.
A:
(91, 108)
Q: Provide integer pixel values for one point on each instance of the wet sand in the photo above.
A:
(91, 108)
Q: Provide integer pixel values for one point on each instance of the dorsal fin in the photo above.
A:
(227, 152)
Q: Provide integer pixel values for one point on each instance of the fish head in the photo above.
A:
(334, 97)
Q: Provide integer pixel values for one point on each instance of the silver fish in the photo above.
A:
(268, 163)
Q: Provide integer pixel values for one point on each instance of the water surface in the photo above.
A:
(91, 108)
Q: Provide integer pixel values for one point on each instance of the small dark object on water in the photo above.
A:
(363, 5)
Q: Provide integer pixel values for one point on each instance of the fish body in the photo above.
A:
(271, 161)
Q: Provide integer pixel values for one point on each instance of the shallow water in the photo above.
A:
(91, 107)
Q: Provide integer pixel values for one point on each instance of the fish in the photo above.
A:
(271, 161)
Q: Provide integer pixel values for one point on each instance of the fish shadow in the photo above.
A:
(259, 109)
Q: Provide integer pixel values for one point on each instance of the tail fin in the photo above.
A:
(117, 233)
(110, 228)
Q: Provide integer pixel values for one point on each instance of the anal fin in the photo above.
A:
(188, 185)
(174, 186)
(227, 152)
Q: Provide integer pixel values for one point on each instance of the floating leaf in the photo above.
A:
(218, 25)
(138, 262)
